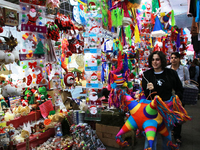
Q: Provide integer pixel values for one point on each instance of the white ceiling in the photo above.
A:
(180, 10)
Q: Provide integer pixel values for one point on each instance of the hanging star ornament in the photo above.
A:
(150, 116)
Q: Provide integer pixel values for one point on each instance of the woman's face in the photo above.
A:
(156, 62)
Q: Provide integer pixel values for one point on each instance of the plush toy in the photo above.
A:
(25, 134)
(2, 55)
(11, 90)
(2, 78)
(24, 102)
(9, 57)
(23, 111)
(11, 42)
(43, 91)
(9, 116)
(57, 117)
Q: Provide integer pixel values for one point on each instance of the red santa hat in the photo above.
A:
(33, 91)
(92, 4)
(92, 106)
(32, 8)
(92, 90)
(93, 74)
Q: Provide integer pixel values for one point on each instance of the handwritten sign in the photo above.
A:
(45, 108)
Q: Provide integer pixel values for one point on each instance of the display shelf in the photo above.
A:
(32, 116)
(36, 140)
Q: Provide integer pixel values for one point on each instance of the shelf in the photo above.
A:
(24, 119)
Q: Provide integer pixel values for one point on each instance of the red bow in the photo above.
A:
(32, 65)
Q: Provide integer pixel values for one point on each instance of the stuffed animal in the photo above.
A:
(11, 90)
(2, 77)
(9, 57)
(57, 117)
(20, 110)
(9, 116)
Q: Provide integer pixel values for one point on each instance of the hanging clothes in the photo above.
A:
(197, 19)
(193, 8)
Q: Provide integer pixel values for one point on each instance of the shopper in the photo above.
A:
(184, 76)
(194, 70)
(161, 80)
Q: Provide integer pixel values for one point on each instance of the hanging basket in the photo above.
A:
(190, 93)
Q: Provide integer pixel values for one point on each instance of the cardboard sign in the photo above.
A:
(45, 108)
(11, 17)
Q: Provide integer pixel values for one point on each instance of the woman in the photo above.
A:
(184, 76)
(161, 80)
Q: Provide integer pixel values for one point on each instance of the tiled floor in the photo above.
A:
(190, 132)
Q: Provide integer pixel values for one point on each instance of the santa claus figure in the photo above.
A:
(93, 109)
(93, 95)
(24, 103)
(93, 8)
(32, 16)
(94, 78)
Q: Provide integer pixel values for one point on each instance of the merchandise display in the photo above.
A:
(65, 73)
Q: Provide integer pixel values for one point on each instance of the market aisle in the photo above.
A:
(190, 132)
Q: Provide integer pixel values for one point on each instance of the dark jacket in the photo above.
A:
(172, 81)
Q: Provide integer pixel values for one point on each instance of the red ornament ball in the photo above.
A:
(1, 29)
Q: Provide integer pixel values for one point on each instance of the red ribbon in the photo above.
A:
(32, 65)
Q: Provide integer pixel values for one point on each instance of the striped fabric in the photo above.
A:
(118, 79)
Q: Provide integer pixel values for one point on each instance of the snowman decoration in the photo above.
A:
(92, 43)
(32, 16)
(94, 27)
(94, 78)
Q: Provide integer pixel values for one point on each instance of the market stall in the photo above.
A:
(70, 71)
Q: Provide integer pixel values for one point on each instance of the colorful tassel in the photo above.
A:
(167, 114)
(137, 34)
(172, 19)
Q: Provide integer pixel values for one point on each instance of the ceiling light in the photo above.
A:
(183, 4)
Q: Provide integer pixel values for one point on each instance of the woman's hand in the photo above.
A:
(150, 86)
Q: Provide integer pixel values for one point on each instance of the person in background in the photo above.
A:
(194, 70)
(161, 80)
(184, 76)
